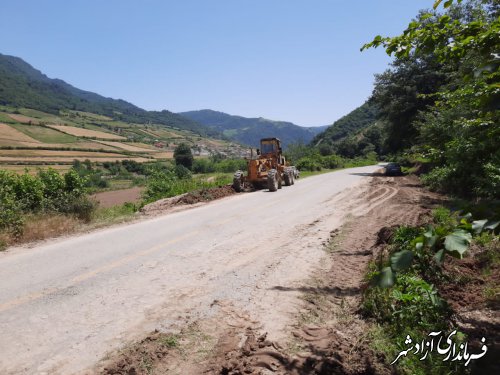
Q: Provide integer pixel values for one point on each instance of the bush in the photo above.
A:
(308, 164)
(439, 178)
(81, 207)
(182, 172)
(11, 218)
(159, 185)
(48, 191)
(332, 162)
(412, 302)
(203, 166)
(230, 165)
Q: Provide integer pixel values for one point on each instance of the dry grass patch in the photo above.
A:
(58, 153)
(80, 132)
(163, 155)
(65, 159)
(33, 169)
(40, 227)
(125, 146)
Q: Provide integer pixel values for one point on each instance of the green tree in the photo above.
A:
(183, 156)
(459, 131)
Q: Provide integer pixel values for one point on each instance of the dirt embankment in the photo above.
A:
(199, 196)
(328, 334)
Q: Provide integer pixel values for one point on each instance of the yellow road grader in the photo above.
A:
(267, 169)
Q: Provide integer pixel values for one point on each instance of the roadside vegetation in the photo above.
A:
(312, 159)
(49, 203)
(410, 278)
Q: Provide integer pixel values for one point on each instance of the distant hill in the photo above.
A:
(21, 85)
(250, 130)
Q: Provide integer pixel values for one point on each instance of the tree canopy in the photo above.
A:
(442, 94)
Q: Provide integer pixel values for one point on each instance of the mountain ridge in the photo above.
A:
(249, 130)
(22, 85)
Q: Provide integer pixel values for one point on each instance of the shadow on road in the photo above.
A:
(374, 174)
(336, 291)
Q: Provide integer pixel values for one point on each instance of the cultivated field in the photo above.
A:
(9, 134)
(85, 133)
(65, 159)
(126, 146)
(163, 155)
(32, 169)
(34, 152)
(24, 119)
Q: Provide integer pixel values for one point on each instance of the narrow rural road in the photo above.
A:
(66, 303)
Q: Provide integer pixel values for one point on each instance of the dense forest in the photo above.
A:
(23, 86)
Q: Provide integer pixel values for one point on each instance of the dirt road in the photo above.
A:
(65, 304)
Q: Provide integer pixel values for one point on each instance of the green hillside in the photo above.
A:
(23, 86)
(250, 130)
(354, 121)
(355, 134)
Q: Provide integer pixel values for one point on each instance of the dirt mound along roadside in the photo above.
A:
(198, 196)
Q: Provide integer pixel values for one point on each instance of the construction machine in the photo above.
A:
(267, 168)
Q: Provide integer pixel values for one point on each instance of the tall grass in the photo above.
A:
(165, 185)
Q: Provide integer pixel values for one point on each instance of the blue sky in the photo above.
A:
(292, 60)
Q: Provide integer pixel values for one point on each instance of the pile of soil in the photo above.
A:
(466, 286)
(204, 195)
(139, 358)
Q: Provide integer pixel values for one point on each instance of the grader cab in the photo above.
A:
(266, 169)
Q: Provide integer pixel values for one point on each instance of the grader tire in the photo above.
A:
(237, 181)
(237, 185)
(288, 179)
(272, 180)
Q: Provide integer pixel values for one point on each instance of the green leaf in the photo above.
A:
(467, 216)
(436, 3)
(439, 256)
(478, 226)
(430, 238)
(457, 242)
(401, 260)
(491, 225)
(386, 279)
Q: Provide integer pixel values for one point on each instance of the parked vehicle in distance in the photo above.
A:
(393, 169)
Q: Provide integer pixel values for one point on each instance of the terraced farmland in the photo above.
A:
(32, 139)
(85, 133)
